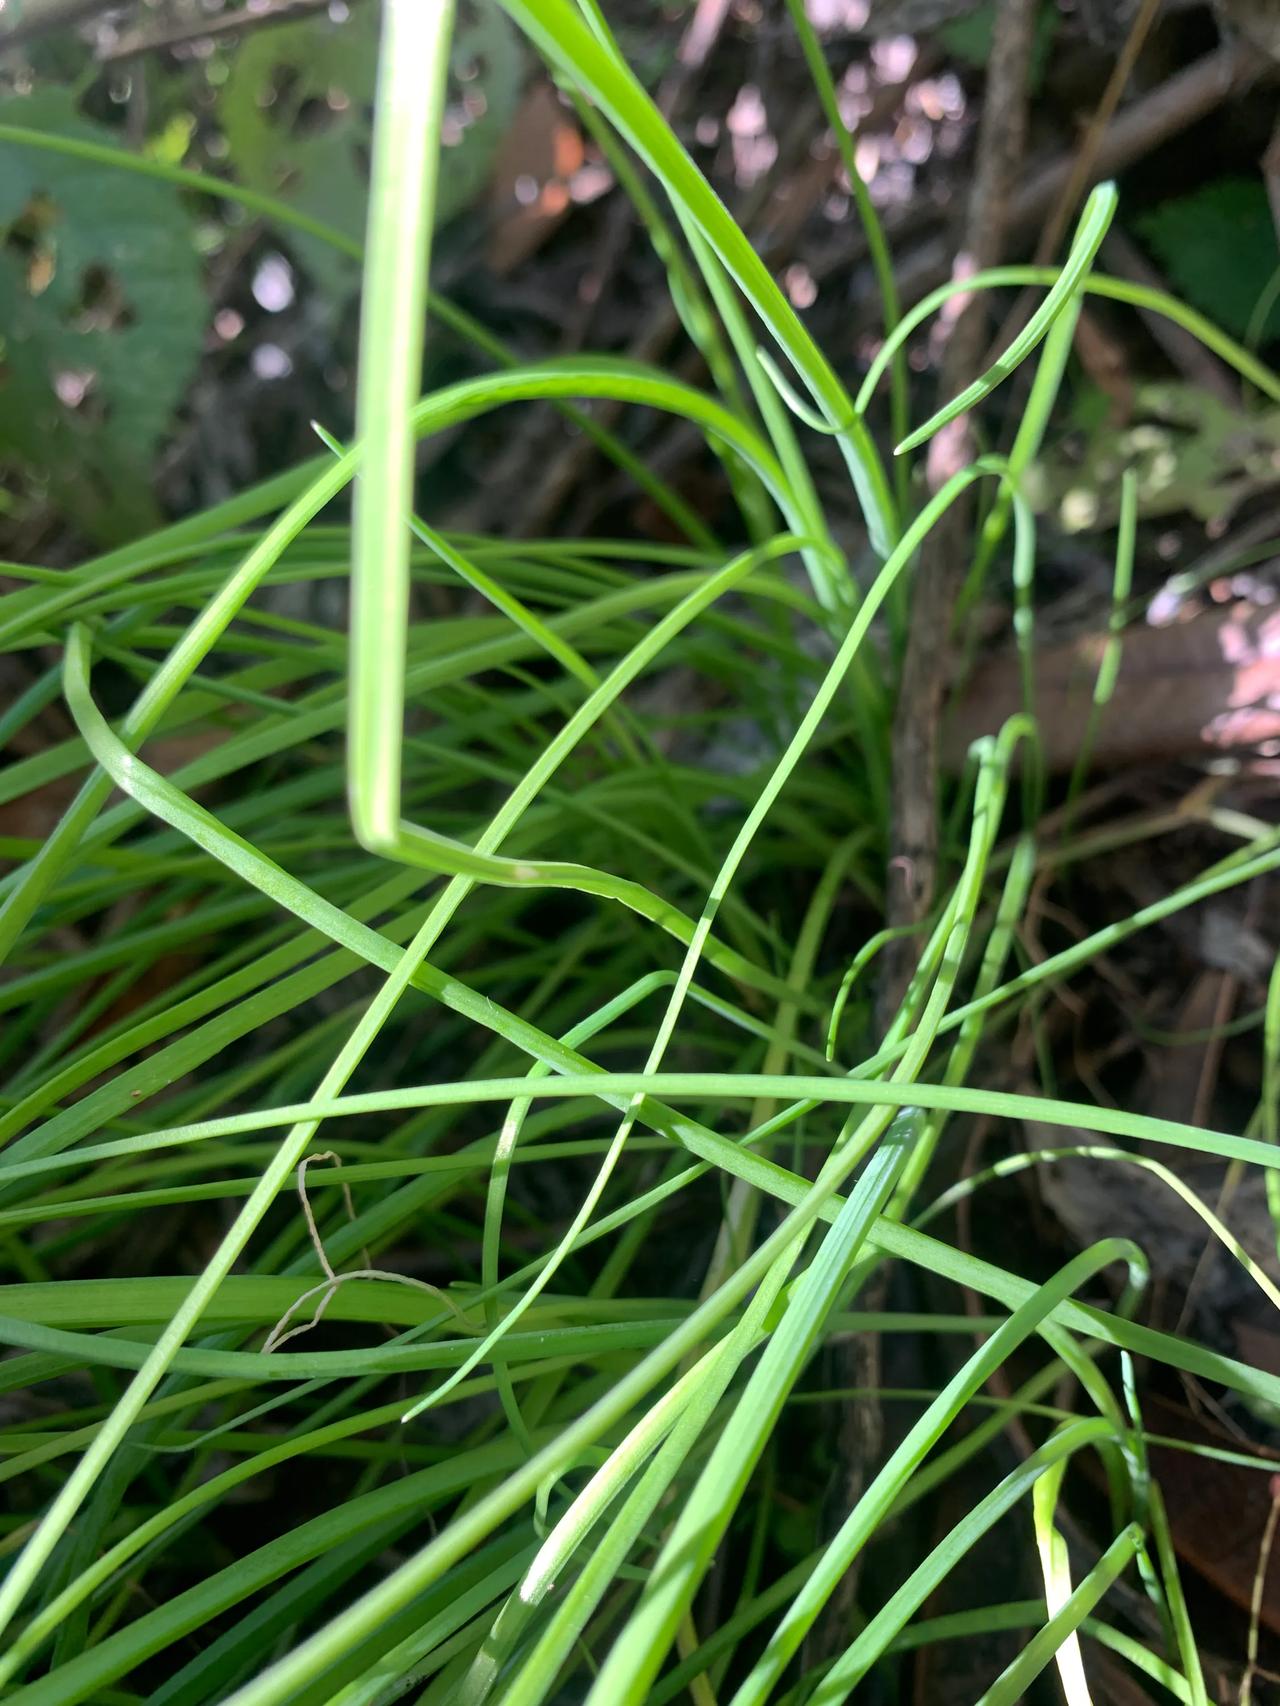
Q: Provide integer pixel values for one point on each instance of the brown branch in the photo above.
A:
(859, 1424)
(1177, 104)
(203, 29)
(1167, 111)
(912, 871)
(1083, 165)
(700, 36)
(1195, 690)
(39, 18)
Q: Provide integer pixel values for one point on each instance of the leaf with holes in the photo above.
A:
(101, 312)
(296, 114)
(486, 71)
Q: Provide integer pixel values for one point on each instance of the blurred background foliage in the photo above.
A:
(114, 288)
(160, 347)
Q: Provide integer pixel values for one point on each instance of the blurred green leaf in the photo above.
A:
(970, 38)
(1218, 247)
(1187, 451)
(101, 317)
(296, 113)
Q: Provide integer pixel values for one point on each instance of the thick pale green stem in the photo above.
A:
(411, 90)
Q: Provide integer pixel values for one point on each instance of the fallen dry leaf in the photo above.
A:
(533, 177)
(1206, 685)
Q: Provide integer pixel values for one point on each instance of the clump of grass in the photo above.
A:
(548, 992)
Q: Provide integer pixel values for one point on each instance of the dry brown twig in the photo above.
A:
(22, 25)
(913, 830)
(327, 1288)
(37, 19)
(911, 874)
(232, 22)
(913, 827)
(1084, 165)
(1137, 130)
